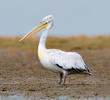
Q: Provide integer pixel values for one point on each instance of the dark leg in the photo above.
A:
(64, 78)
(61, 76)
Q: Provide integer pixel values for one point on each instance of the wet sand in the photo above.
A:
(22, 73)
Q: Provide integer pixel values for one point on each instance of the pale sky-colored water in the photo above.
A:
(21, 97)
(72, 17)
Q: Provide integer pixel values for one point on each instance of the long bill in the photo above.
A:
(41, 26)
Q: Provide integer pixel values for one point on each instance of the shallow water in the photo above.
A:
(32, 97)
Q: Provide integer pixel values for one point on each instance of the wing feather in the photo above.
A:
(67, 60)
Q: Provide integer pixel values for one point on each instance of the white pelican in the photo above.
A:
(64, 63)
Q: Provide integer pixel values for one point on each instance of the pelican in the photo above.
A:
(64, 63)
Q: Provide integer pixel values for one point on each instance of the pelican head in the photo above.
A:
(47, 22)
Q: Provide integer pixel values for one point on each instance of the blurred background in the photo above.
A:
(72, 17)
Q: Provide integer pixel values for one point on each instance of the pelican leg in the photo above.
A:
(61, 76)
(64, 78)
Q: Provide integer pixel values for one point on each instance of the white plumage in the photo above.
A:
(56, 60)
(67, 60)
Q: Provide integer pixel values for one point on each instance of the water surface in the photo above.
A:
(18, 96)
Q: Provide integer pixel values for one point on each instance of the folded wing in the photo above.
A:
(70, 61)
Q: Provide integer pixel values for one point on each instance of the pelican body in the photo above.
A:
(62, 62)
